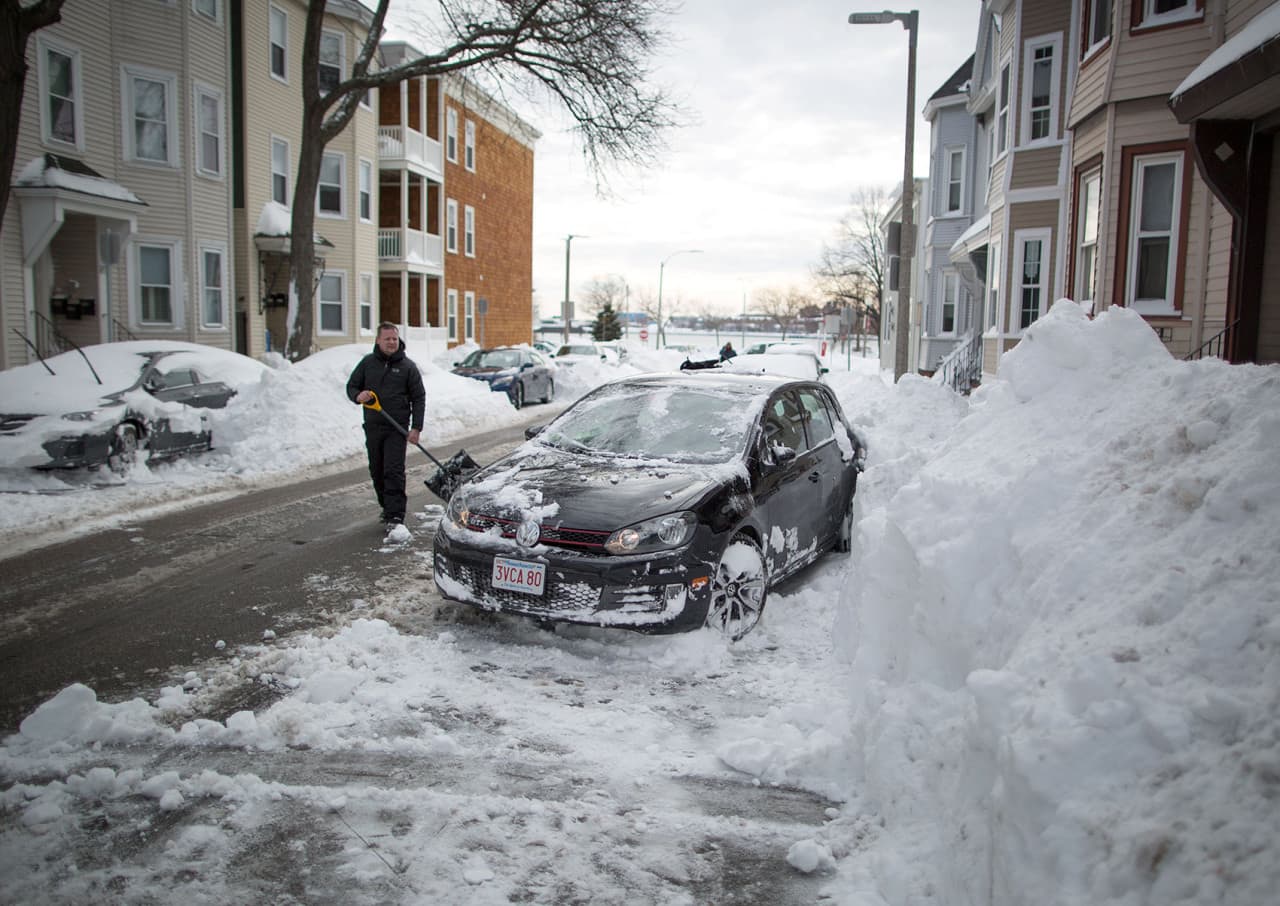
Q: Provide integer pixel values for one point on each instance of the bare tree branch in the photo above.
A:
(852, 269)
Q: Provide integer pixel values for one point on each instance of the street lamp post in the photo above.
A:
(910, 21)
(566, 307)
(661, 337)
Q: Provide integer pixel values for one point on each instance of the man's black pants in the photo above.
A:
(386, 447)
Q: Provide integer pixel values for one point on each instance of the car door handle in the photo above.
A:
(815, 476)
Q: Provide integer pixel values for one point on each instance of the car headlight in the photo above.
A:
(87, 416)
(457, 513)
(662, 533)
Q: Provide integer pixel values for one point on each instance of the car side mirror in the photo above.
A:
(533, 431)
(526, 366)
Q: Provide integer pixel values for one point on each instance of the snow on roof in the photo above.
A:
(53, 171)
(274, 220)
(976, 229)
(1262, 28)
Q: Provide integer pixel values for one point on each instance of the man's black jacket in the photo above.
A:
(398, 383)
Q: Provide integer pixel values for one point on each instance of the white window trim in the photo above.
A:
(469, 315)
(342, 305)
(370, 281)
(451, 225)
(177, 307)
(1029, 48)
(342, 51)
(1153, 306)
(1093, 46)
(451, 135)
(128, 73)
(1153, 19)
(342, 187)
(200, 90)
(948, 153)
(365, 166)
(1077, 291)
(217, 11)
(469, 231)
(221, 251)
(288, 166)
(43, 45)
(1007, 133)
(1020, 240)
(993, 309)
(279, 77)
(952, 279)
(452, 314)
(469, 145)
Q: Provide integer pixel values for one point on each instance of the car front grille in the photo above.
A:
(556, 597)
(588, 540)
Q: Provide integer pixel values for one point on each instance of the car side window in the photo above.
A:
(170, 380)
(818, 418)
(784, 425)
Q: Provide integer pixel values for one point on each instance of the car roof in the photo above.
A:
(711, 377)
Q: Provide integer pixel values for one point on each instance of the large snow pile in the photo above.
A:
(1064, 629)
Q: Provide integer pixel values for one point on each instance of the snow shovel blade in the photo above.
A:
(452, 472)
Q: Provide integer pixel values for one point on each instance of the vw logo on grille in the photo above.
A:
(528, 533)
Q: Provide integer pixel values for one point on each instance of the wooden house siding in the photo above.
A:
(1239, 12)
(1040, 17)
(1091, 86)
(1149, 64)
(1035, 167)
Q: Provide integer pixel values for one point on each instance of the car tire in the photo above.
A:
(738, 589)
(122, 455)
(551, 391)
(517, 395)
(844, 539)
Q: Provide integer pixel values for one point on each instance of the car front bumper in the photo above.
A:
(657, 592)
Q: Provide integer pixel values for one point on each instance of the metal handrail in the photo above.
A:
(1215, 345)
(49, 337)
(961, 370)
(122, 332)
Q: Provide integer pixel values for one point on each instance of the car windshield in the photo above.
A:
(683, 424)
(492, 358)
(578, 350)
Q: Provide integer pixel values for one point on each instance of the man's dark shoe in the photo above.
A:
(393, 521)
(383, 517)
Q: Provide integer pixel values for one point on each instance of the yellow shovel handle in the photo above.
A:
(374, 405)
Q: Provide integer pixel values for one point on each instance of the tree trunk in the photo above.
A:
(302, 247)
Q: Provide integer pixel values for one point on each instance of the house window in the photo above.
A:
(469, 147)
(451, 135)
(1152, 13)
(206, 8)
(209, 119)
(1154, 213)
(155, 284)
(279, 42)
(280, 171)
(331, 296)
(330, 65)
(1086, 276)
(469, 315)
(1040, 96)
(212, 288)
(1097, 24)
(1002, 108)
(60, 76)
(366, 303)
(950, 289)
(469, 231)
(149, 118)
(453, 314)
(451, 225)
(331, 192)
(955, 179)
(993, 288)
(1032, 274)
(366, 191)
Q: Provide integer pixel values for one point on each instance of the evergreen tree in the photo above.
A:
(607, 325)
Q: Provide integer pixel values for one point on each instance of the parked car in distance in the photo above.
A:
(545, 348)
(573, 353)
(618, 348)
(111, 403)
(659, 502)
(519, 372)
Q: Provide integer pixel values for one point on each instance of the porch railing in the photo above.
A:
(412, 246)
(120, 332)
(1216, 345)
(961, 369)
(49, 340)
(399, 143)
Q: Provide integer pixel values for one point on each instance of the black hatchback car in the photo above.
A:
(661, 502)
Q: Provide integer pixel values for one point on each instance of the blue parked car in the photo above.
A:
(521, 373)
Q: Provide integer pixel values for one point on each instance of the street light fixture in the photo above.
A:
(910, 21)
(566, 307)
(661, 337)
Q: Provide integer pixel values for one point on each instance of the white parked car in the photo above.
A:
(573, 353)
(802, 363)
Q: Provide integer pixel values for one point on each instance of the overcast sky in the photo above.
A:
(795, 109)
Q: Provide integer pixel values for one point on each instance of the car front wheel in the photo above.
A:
(517, 395)
(738, 589)
(123, 454)
(551, 391)
(844, 542)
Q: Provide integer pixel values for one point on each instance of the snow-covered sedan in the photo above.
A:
(519, 372)
(660, 502)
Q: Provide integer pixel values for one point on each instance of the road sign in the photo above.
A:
(644, 334)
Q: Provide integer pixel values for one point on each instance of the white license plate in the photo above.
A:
(517, 575)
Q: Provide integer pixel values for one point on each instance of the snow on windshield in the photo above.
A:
(679, 423)
(492, 358)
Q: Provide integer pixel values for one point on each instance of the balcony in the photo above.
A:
(397, 145)
(412, 247)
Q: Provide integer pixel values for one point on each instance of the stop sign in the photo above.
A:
(644, 334)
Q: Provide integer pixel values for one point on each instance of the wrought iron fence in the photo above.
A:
(1215, 346)
(961, 370)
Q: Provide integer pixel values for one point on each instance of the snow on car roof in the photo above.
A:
(787, 364)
